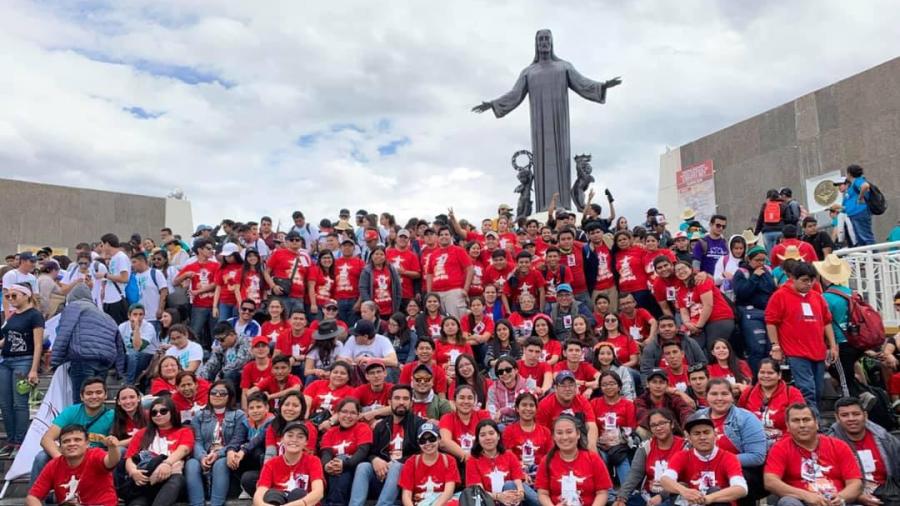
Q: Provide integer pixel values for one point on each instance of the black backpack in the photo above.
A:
(475, 496)
(875, 200)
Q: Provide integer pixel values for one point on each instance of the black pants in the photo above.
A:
(277, 497)
(161, 494)
(756, 489)
(118, 311)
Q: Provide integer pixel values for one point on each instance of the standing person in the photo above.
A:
(753, 285)
(571, 473)
(115, 279)
(449, 274)
(819, 240)
(88, 339)
(295, 477)
(307, 231)
(789, 242)
(495, 469)
(253, 279)
(23, 273)
(202, 274)
(572, 255)
(23, 341)
(406, 262)
(808, 468)
(651, 460)
(856, 205)
(78, 463)
(711, 247)
(729, 264)
(769, 399)
(835, 275)
(797, 318)
(524, 278)
(628, 262)
(288, 273)
(153, 287)
(227, 281)
(380, 282)
(705, 474)
(348, 267)
(771, 219)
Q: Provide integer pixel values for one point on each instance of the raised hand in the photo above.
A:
(484, 106)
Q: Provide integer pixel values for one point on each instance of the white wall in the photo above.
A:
(180, 218)
(667, 196)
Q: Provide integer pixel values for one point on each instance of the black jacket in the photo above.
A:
(381, 437)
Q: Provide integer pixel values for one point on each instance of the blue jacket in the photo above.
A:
(752, 290)
(746, 432)
(234, 431)
(87, 333)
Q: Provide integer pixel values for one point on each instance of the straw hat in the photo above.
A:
(688, 214)
(791, 252)
(608, 240)
(749, 237)
(834, 269)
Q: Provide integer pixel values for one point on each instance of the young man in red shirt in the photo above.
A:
(347, 269)
(405, 260)
(523, 279)
(554, 273)
(566, 400)
(572, 256)
(665, 285)
(536, 372)
(498, 271)
(676, 368)
(257, 369)
(877, 450)
(449, 273)
(789, 236)
(600, 265)
(704, 474)
(586, 377)
(202, 274)
(290, 266)
(637, 321)
(811, 468)
(375, 394)
(79, 475)
(797, 318)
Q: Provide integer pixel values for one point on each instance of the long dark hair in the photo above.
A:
(231, 404)
(247, 267)
(668, 415)
(325, 347)
(589, 339)
(614, 251)
(514, 349)
(176, 319)
(582, 439)
(477, 450)
(279, 423)
(477, 382)
(327, 271)
(733, 362)
(690, 281)
(459, 337)
(604, 333)
(121, 418)
(471, 316)
(402, 337)
(152, 429)
(597, 364)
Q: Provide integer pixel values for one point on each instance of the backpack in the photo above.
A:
(875, 201)
(772, 212)
(132, 290)
(865, 328)
(475, 496)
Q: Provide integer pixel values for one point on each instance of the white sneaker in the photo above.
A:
(244, 495)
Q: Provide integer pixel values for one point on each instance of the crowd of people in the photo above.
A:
(568, 363)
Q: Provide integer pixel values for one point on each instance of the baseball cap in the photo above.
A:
(229, 249)
(27, 256)
(681, 234)
(562, 213)
(347, 240)
(201, 228)
(259, 340)
(325, 223)
(424, 367)
(375, 362)
(492, 233)
(505, 207)
(563, 376)
(563, 288)
(293, 234)
(362, 212)
(344, 213)
(403, 233)
(371, 235)
(296, 425)
(698, 418)
(363, 328)
(428, 428)
(658, 372)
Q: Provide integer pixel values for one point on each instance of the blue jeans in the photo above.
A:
(809, 378)
(290, 304)
(80, 370)
(337, 488)
(771, 239)
(364, 479)
(345, 311)
(622, 468)
(862, 225)
(13, 404)
(135, 363)
(753, 328)
(40, 462)
(637, 499)
(220, 476)
(227, 311)
(202, 325)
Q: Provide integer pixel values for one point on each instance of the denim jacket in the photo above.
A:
(234, 432)
(746, 432)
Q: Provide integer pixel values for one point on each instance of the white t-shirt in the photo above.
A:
(117, 264)
(190, 353)
(98, 267)
(150, 289)
(148, 333)
(15, 276)
(380, 347)
(335, 353)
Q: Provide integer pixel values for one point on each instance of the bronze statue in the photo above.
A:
(546, 82)
(583, 180)
(525, 177)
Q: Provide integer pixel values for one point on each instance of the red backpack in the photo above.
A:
(772, 212)
(865, 328)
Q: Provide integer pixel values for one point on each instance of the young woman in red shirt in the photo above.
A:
(651, 459)
(294, 478)
(473, 248)
(616, 421)
(769, 399)
(323, 395)
(704, 310)
(166, 372)
(571, 474)
(525, 438)
(227, 281)
(477, 326)
(494, 468)
(451, 343)
(467, 372)
(129, 415)
(253, 281)
(343, 447)
(727, 365)
(543, 329)
(277, 325)
(458, 427)
(627, 351)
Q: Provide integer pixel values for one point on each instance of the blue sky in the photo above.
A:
(263, 110)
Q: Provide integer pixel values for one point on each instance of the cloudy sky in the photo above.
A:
(265, 107)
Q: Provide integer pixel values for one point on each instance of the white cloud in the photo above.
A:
(236, 85)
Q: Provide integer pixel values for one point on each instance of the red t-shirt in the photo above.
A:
(165, 442)
(188, 407)
(529, 447)
(639, 326)
(530, 283)
(523, 324)
(722, 440)
(873, 469)
(800, 321)
(448, 267)
(614, 417)
(204, 274)
(583, 372)
(625, 347)
(463, 434)
(576, 482)
(690, 298)
(227, 278)
(65, 482)
(251, 374)
(476, 287)
(420, 478)
(553, 278)
(630, 264)
(485, 325)
(346, 277)
(534, 376)
(269, 385)
(574, 261)
(828, 472)
(717, 371)
(253, 287)
(772, 414)
(492, 473)
(324, 285)
(381, 290)
(159, 385)
(294, 346)
(274, 331)
(440, 377)
(681, 382)
(325, 397)
(369, 399)
(276, 474)
(433, 325)
(447, 352)
(491, 276)
(345, 441)
(605, 278)
(658, 460)
(549, 409)
(702, 475)
(281, 263)
(650, 256)
(666, 289)
(404, 260)
(552, 348)
(807, 252)
(274, 440)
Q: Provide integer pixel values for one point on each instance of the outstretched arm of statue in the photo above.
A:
(612, 83)
(480, 108)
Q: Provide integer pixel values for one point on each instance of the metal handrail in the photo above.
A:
(875, 272)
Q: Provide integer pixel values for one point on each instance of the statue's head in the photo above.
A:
(523, 175)
(583, 164)
(543, 45)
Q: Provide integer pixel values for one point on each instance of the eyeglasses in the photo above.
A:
(11, 296)
(428, 439)
(247, 309)
(697, 367)
(159, 412)
(296, 239)
(218, 393)
(611, 319)
(505, 370)
(719, 225)
(422, 380)
(82, 264)
(330, 308)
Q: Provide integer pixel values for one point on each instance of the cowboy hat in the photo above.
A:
(608, 240)
(834, 269)
(791, 252)
(750, 237)
(688, 214)
(328, 329)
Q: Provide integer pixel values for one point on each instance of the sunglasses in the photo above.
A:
(696, 367)
(610, 319)
(422, 380)
(330, 308)
(11, 296)
(294, 240)
(159, 412)
(505, 370)
(218, 393)
(428, 439)
(248, 309)
(719, 225)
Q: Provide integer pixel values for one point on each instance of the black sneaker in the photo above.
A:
(7, 451)
(867, 401)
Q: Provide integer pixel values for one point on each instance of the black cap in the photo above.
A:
(363, 328)
(293, 234)
(362, 212)
(698, 418)
(652, 211)
(658, 372)
(344, 212)
(787, 192)
(301, 426)
(325, 223)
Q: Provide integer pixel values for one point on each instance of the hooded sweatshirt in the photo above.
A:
(728, 264)
(87, 333)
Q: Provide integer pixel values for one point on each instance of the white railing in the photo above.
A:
(876, 275)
